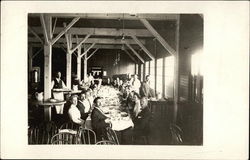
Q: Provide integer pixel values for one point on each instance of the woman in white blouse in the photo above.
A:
(74, 113)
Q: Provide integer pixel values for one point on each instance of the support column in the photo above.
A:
(144, 71)
(47, 62)
(68, 62)
(176, 70)
(30, 53)
(85, 67)
(68, 70)
(163, 78)
(79, 63)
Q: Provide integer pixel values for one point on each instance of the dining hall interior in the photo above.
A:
(120, 79)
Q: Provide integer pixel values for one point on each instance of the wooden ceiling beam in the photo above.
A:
(44, 29)
(92, 53)
(100, 31)
(65, 30)
(127, 52)
(100, 46)
(143, 47)
(93, 40)
(35, 34)
(126, 16)
(81, 42)
(85, 52)
(138, 56)
(158, 36)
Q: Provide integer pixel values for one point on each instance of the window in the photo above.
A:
(146, 68)
(152, 73)
(196, 64)
(169, 77)
(136, 69)
(159, 75)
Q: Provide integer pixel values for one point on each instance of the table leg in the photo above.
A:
(47, 113)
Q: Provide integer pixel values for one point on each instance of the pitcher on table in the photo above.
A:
(57, 85)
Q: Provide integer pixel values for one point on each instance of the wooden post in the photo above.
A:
(30, 53)
(47, 59)
(144, 71)
(85, 67)
(79, 60)
(176, 70)
(163, 77)
(47, 65)
(68, 63)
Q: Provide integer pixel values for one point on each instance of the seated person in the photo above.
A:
(83, 105)
(141, 121)
(131, 101)
(74, 113)
(137, 105)
(99, 120)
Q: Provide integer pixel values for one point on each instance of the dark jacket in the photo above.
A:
(98, 123)
(58, 84)
(142, 121)
(81, 108)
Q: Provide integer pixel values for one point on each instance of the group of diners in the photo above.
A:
(87, 105)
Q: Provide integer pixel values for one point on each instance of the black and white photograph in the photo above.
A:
(124, 79)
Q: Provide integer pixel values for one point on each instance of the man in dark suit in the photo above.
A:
(99, 120)
(83, 106)
(142, 120)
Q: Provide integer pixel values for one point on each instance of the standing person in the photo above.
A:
(57, 85)
(145, 90)
(136, 83)
(99, 120)
(74, 113)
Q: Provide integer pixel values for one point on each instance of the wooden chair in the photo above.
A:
(86, 136)
(104, 142)
(111, 134)
(42, 133)
(49, 129)
(176, 134)
(33, 135)
(70, 125)
(64, 138)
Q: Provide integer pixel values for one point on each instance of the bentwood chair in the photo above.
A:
(64, 138)
(86, 136)
(111, 134)
(70, 125)
(33, 135)
(176, 134)
(104, 142)
(48, 129)
(42, 133)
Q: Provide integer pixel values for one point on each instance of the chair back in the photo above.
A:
(64, 138)
(33, 135)
(49, 129)
(86, 136)
(112, 136)
(70, 125)
(104, 142)
(42, 133)
(176, 133)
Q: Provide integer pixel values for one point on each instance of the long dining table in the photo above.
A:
(112, 108)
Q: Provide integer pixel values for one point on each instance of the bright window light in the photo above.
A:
(196, 62)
